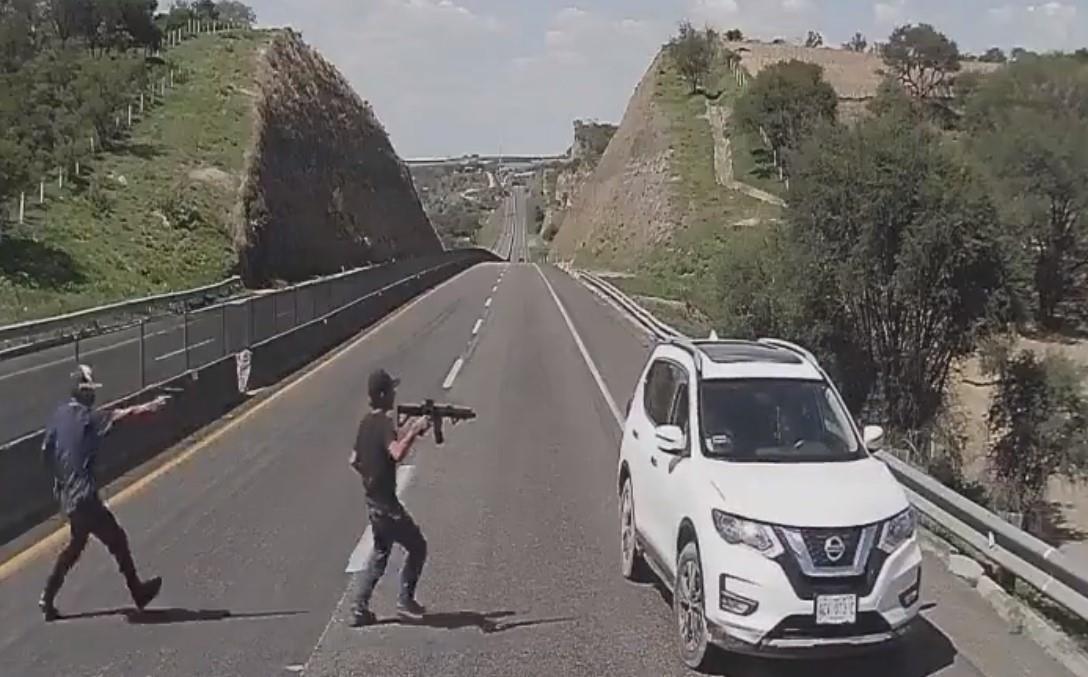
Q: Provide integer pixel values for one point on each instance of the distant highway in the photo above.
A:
(513, 244)
(255, 533)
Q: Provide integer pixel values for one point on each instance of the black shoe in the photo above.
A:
(147, 591)
(362, 618)
(411, 609)
(47, 608)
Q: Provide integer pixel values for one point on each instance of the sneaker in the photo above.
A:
(362, 618)
(147, 591)
(47, 608)
(411, 609)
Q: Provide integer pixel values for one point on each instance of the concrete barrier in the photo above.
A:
(204, 395)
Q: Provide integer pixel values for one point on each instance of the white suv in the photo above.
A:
(747, 488)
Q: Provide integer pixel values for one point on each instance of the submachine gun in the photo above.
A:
(435, 412)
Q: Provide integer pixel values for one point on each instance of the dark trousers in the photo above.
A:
(388, 528)
(92, 518)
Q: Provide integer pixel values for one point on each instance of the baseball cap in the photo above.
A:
(381, 383)
(83, 378)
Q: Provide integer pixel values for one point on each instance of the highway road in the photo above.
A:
(255, 531)
(513, 243)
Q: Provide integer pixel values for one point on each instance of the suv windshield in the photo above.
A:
(775, 421)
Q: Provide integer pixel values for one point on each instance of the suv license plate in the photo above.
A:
(836, 609)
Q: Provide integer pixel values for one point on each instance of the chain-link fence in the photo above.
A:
(150, 351)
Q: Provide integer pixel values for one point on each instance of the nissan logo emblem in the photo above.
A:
(834, 548)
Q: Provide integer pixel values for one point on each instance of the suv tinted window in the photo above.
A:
(678, 416)
(659, 391)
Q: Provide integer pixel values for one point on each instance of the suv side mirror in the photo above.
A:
(874, 437)
(671, 439)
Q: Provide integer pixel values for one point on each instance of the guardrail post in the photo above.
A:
(294, 303)
(252, 322)
(185, 334)
(223, 329)
(77, 348)
(143, 355)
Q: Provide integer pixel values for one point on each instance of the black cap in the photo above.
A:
(381, 384)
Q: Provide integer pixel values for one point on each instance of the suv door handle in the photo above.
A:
(653, 461)
(634, 434)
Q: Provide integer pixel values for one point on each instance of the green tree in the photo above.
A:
(814, 39)
(994, 55)
(924, 60)
(788, 100)
(858, 43)
(693, 52)
(898, 264)
(734, 35)
(236, 12)
(1029, 128)
(1038, 422)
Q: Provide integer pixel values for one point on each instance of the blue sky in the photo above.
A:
(448, 77)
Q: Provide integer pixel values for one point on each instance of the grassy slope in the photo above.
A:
(103, 240)
(684, 268)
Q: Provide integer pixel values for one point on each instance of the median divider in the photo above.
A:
(203, 395)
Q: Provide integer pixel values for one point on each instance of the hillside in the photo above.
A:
(260, 160)
(657, 203)
(324, 188)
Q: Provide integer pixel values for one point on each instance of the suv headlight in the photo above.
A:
(897, 531)
(738, 531)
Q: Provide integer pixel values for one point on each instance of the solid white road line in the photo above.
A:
(181, 351)
(454, 371)
(585, 353)
(359, 556)
(476, 329)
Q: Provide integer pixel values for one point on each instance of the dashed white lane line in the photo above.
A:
(454, 371)
(359, 556)
(585, 353)
(487, 304)
(476, 329)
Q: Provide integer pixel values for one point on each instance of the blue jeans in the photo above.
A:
(388, 528)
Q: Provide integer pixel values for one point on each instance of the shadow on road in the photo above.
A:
(926, 652)
(487, 623)
(169, 616)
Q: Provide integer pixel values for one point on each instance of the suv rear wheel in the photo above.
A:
(688, 605)
(631, 565)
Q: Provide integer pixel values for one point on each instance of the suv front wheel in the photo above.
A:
(631, 565)
(688, 600)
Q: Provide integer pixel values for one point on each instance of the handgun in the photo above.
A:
(435, 412)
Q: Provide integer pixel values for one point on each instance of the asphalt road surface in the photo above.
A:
(254, 532)
(513, 244)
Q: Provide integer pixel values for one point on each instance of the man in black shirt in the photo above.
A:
(69, 450)
(379, 447)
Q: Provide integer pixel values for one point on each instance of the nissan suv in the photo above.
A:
(747, 488)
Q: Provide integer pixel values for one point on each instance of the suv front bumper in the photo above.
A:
(784, 623)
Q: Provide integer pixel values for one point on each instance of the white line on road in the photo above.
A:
(488, 303)
(357, 561)
(181, 351)
(585, 353)
(454, 371)
(476, 329)
(495, 289)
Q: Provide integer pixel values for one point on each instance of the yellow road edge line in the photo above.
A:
(53, 540)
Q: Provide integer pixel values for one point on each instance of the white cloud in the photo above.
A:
(715, 11)
(796, 5)
(1042, 27)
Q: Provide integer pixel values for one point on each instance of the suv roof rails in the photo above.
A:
(687, 345)
(792, 347)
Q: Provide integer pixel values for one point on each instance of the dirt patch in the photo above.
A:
(214, 176)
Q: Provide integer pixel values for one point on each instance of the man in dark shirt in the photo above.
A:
(69, 450)
(379, 447)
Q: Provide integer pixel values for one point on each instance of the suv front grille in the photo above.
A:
(816, 543)
(805, 627)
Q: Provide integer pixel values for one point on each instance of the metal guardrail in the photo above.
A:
(94, 316)
(989, 538)
(137, 355)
